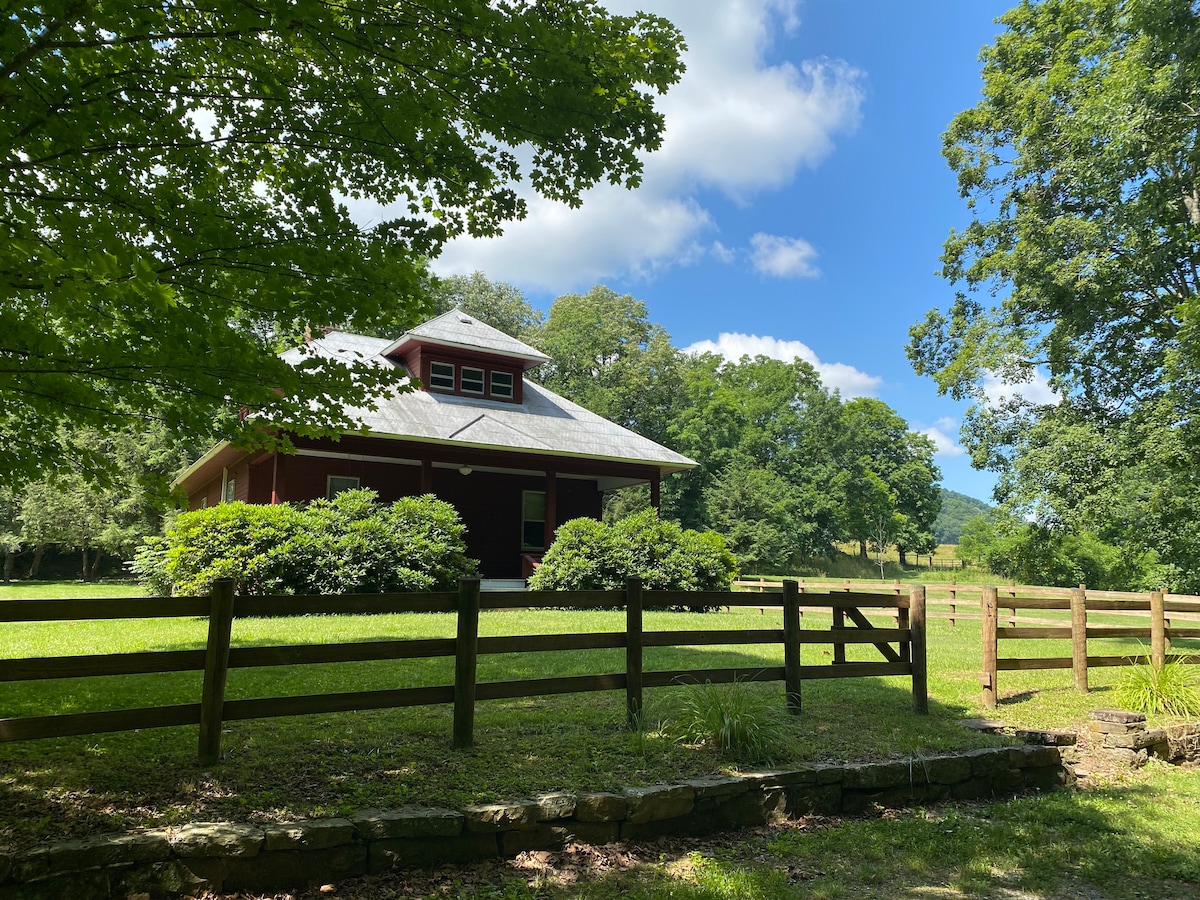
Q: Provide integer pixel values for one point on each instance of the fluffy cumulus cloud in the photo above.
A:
(735, 124)
(783, 257)
(849, 381)
(1037, 390)
(943, 443)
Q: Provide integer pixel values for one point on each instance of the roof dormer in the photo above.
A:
(457, 354)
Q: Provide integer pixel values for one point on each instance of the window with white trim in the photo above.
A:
(502, 384)
(335, 484)
(533, 520)
(230, 490)
(441, 375)
(472, 380)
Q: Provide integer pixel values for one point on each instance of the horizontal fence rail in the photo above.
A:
(850, 625)
(965, 601)
(1157, 630)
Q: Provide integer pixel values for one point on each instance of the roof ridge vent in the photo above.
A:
(465, 319)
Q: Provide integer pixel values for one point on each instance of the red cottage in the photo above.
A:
(514, 458)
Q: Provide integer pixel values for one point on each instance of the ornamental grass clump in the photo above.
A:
(1171, 688)
(746, 724)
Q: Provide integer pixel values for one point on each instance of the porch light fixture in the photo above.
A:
(464, 470)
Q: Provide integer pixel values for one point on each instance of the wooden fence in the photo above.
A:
(965, 601)
(895, 588)
(907, 658)
(1080, 602)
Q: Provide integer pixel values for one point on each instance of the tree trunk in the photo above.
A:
(862, 549)
(9, 557)
(84, 551)
(95, 564)
(903, 555)
(37, 560)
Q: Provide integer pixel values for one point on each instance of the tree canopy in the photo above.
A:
(174, 176)
(781, 458)
(1080, 168)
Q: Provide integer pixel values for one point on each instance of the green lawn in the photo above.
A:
(1130, 839)
(334, 764)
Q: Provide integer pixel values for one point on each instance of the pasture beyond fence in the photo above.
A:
(1156, 608)
(1158, 630)
(907, 658)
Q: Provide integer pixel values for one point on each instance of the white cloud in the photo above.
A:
(940, 433)
(735, 124)
(556, 247)
(722, 253)
(783, 257)
(1037, 390)
(849, 381)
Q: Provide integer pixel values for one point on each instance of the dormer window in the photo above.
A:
(502, 384)
(472, 380)
(441, 376)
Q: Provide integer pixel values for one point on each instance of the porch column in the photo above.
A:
(426, 476)
(551, 505)
(276, 485)
(656, 492)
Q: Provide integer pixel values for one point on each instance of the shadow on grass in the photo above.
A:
(335, 764)
(1119, 843)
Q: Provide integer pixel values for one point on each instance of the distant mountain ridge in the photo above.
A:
(957, 510)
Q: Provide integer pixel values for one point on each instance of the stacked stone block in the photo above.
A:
(231, 857)
(1123, 737)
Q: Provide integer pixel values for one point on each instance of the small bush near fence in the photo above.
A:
(590, 555)
(350, 544)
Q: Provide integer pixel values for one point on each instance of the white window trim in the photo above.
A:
(509, 390)
(524, 520)
(453, 375)
(462, 380)
(330, 493)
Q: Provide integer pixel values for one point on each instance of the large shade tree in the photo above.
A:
(1081, 167)
(173, 175)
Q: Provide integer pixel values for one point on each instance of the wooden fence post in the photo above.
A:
(466, 658)
(216, 670)
(633, 653)
(953, 600)
(1158, 629)
(791, 645)
(1079, 664)
(839, 622)
(988, 677)
(919, 645)
(902, 622)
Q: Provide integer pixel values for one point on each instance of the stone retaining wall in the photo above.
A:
(181, 861)
(1123, 738)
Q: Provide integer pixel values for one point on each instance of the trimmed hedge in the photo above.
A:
(590, 555)
(350, 544)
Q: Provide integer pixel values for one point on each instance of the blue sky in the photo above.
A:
(800, 196)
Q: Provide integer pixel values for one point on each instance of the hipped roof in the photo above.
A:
(543, 424)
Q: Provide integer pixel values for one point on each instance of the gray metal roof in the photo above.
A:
(544, 423)
(462, 331)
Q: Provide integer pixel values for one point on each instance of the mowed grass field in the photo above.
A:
(288, 768)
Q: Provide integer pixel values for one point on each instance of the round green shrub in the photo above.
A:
(350, 544)
(591, 555)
